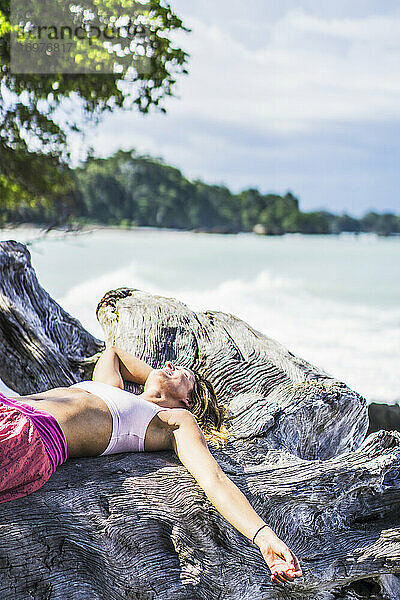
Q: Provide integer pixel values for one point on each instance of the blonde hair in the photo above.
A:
(209, 413)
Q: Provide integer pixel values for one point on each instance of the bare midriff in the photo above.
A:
(83, 417)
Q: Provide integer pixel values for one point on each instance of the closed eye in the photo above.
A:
(186, 373)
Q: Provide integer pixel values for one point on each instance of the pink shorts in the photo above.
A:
(24, 462)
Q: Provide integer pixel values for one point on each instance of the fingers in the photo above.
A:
(280, 577)
(288, 574)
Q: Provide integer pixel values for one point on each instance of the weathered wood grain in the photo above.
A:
(41, 345)
(138, 526)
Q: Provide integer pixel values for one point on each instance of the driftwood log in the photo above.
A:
(137, 526)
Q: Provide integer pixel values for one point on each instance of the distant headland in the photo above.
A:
(130, 190)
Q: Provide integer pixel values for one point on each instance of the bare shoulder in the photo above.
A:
(175, 416)
(159, 433)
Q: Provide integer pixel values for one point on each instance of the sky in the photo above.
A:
(280, 96)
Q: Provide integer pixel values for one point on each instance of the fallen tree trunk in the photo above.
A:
(138, 525)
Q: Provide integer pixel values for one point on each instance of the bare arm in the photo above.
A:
(191, 448)
(116, 365)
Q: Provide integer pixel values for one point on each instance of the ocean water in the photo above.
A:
(332, 300)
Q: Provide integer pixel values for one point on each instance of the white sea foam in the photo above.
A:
(356, 343)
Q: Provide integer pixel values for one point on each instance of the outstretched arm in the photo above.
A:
(191, 448)
(116, 365)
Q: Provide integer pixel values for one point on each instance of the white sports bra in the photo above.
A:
(131, 416)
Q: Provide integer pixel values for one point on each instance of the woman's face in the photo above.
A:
(174, 382)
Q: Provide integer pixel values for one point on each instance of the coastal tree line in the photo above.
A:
(127, 189)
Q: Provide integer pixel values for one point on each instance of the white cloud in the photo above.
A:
(310, 107)
(308, 69)
(379, 29)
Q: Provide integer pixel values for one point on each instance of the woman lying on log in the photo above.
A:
(98, 417)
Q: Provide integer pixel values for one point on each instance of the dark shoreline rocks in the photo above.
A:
(383, 416)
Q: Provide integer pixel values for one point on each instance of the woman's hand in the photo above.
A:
(283, 563)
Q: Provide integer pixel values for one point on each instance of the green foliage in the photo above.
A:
(128, 190)
(34, 156)
(313, 222)
(142, 190)
(347, 223)
(383, 224)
